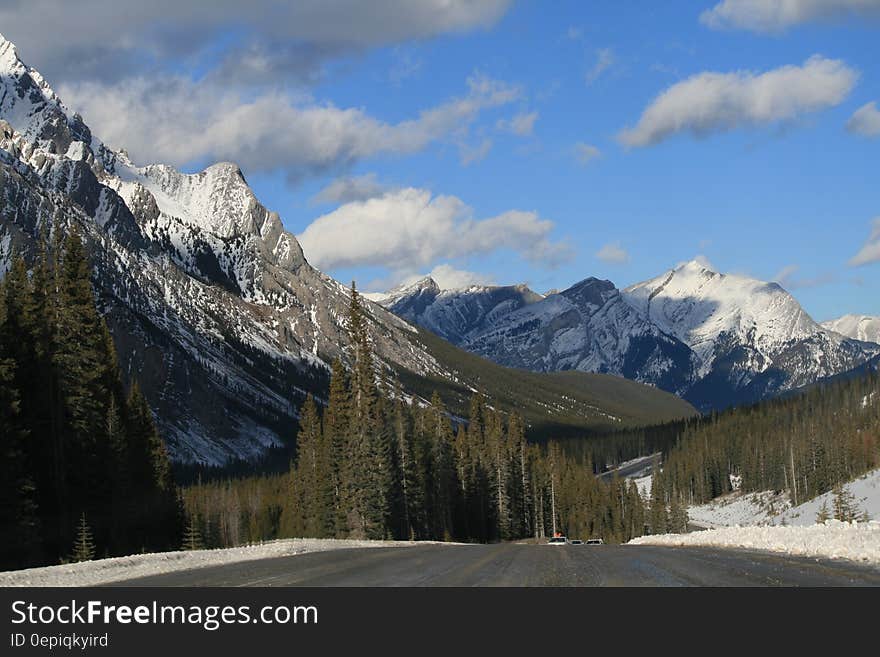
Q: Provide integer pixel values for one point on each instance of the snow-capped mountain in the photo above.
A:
(713, 338)
(858, 327)
(456, 315)
(752, 339)
(210, 300)
(588, 327)
(212, 304)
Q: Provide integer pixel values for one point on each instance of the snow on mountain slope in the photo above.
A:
(455, 315)
(701, 307)
(857, 327)
(752, 338)
(587, 327)
(715, 339)
(210, 301)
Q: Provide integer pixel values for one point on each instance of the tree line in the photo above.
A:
(79, 454)
(371, 463)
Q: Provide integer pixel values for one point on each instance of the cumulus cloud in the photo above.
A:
(870, 252)
(778, 15)
(604, 60)
(710, 102)
(613, 253)
(865, 121)
(522, 125)
(348, 189)
(409, 230)
(65, 39)
(586, 153)
(176, 120)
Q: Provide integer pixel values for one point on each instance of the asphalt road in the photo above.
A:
(525, 565)
(639, 467)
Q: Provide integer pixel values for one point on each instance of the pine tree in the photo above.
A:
(337, 436)
(84, 546)
(192, 536)
(308, 472)
(823, 515)
(678, 516)
(844, 504)
(659, 516)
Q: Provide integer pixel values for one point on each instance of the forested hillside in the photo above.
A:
(374, 465)
(805, 444)
(80, 458)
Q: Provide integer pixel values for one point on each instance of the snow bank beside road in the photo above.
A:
(104, 571)
(834, 539)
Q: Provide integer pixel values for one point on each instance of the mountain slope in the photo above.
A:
(557, 404)
(212, 304)
(456, 315)
(857, 327)
(752, 339)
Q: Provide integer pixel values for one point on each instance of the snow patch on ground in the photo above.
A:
(740, 509)
(769, 508)
(103, 571)
(865, 490)
(834, 539)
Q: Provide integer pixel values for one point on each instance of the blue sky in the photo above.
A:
(520, 170)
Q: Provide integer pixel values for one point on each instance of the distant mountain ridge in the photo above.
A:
(859, 327)
(713, 338)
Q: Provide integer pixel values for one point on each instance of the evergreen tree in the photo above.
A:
(192, 537)
(844, 504)
(823, 515)
(84, 546)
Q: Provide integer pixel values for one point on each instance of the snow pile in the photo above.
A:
(834, 539)
(103, 571)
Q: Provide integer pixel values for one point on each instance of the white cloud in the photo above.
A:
(347, 189)
(613, 253)
(870, 252)
(408, 230)
(865, 121)
(450, 278)
(106, 39)
(710, 102)
(778, 15)
(521, 125)
(586, 153)
(604, 60)
(177, 121)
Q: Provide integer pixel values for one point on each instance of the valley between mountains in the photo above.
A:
(217, 311)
